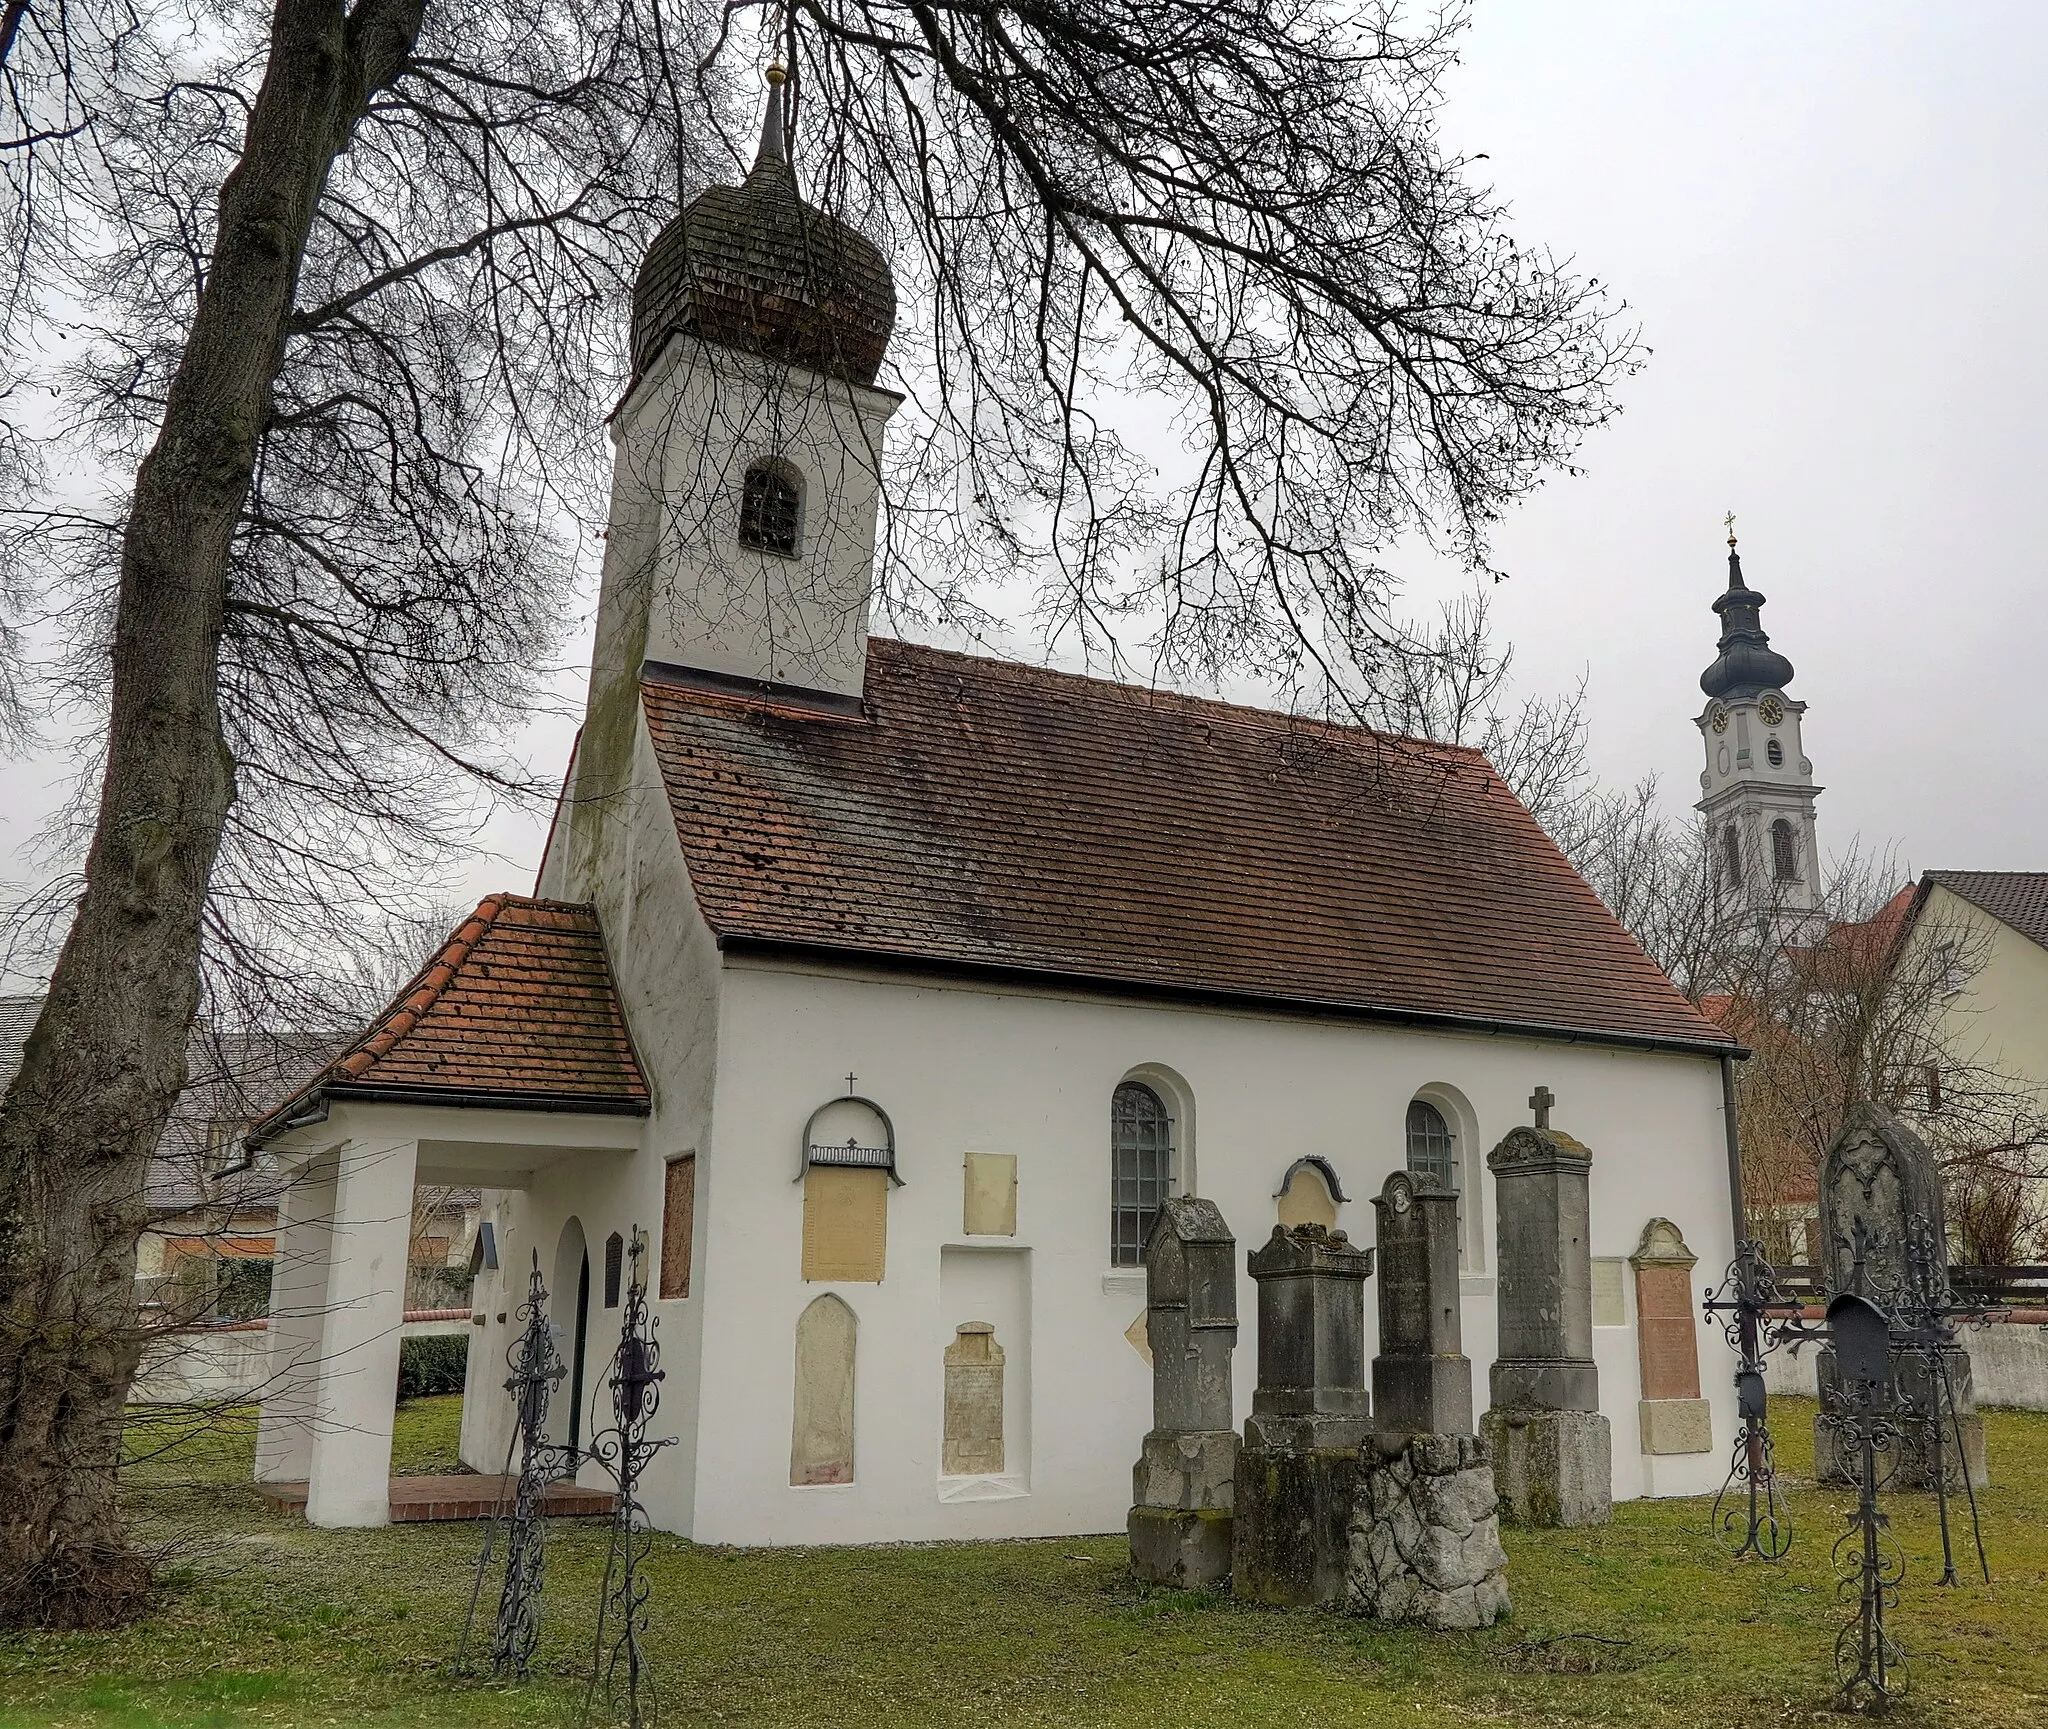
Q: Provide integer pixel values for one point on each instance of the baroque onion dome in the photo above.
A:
(756, 268)
(1747, 663)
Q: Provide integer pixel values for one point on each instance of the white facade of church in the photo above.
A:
(818, 1386)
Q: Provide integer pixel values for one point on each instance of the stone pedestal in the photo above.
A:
(1425, 1537)
(1297, 1475)
(1551, 1448)
(1183, 1485)
(1551, 1467)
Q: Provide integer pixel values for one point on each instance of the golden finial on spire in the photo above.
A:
(1729, 522)
(775, 74)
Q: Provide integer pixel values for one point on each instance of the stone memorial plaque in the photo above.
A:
(1610, 1306)
(1306, 1199)
(821, 1427)
(989, 1206)
(974, 1403)
(1672, 1416)
(846, 1223)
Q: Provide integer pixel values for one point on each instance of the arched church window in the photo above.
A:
(1140, 1169)
(1784, 852)
(1776, 752)
(771, 501)
(1430, 1150)
(1731, 857)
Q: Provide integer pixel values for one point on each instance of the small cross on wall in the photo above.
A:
(849, 1083)
(1540, 1102)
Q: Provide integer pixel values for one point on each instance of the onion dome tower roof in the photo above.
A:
(1747, 663)
(756, 268)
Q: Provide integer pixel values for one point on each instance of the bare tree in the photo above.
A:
(351, 278)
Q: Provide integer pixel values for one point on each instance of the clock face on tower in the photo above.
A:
(1772, 709)
(1718, 720)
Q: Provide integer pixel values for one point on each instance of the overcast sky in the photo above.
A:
(1832, 222)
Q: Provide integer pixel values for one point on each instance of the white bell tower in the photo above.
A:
(1757, 789)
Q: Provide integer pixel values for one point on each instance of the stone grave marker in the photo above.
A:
(1182, 1487)
(1551, 1447)
(1297, 1474)
(973, 1441)
(1425, 1528)
(1878, 1177)
(1671, 1414)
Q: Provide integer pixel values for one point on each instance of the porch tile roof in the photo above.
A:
(517, 1009)
(981, 813)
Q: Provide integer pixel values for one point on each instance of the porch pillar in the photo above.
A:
(349, 1483)
(298, 1300)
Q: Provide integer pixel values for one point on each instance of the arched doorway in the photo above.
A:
(571, 1298)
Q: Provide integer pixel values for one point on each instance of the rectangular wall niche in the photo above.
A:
(678, 1224)
(989, 1208)
(985, 1413)
(846, 1224)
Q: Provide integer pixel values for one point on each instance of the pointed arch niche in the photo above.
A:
(821, 1423)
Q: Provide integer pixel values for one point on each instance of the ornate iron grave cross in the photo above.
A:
(518, 1518)
(619, 1673)
(1869, 1330)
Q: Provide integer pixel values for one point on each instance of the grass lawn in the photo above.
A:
(268, 1622)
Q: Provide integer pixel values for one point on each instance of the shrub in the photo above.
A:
(432, 1365)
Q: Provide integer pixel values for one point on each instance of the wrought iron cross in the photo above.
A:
(1729, 519)
(1540, 1102)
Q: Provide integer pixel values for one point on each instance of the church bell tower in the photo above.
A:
(1757, 790)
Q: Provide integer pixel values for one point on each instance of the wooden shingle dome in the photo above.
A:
(756, 268)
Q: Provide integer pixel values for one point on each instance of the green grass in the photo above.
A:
(267, 1622)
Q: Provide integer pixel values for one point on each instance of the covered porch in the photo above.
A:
(506, 1060)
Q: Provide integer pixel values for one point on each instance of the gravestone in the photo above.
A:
(973, 1438)
(1671, 1414)
(1425, 1528)
(1297, 1474)
(1878, 1178)
(1421, 1380)
(1182, 1487)
(821, 1422)
(1551, 1447)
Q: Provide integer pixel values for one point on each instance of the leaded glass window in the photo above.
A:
(1140, 1169)
(1430, 1152)
(769, 504)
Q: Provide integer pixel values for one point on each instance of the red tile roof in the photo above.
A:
(984, 814)
(517, 1009)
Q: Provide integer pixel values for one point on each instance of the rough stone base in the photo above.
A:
(1291, 1540)
(1552, 1467)
(1910, 1463)
(1186, 1470)
(1676, 1425)
(1187, 1548)
(1425, 1537)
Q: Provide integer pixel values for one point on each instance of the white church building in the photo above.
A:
(888, 990)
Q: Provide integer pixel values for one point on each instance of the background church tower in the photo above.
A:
(1757, 789)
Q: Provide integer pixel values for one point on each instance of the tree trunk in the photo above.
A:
(106, 1060)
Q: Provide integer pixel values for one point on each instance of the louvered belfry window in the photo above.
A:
(769, 505)
(1430, 1151)
(1141, 1169)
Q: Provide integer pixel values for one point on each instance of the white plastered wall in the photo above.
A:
(963, 1069)
(615, 846)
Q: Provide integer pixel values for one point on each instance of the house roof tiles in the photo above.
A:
(517, 1009)
(985, 814)
(2015, 898)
